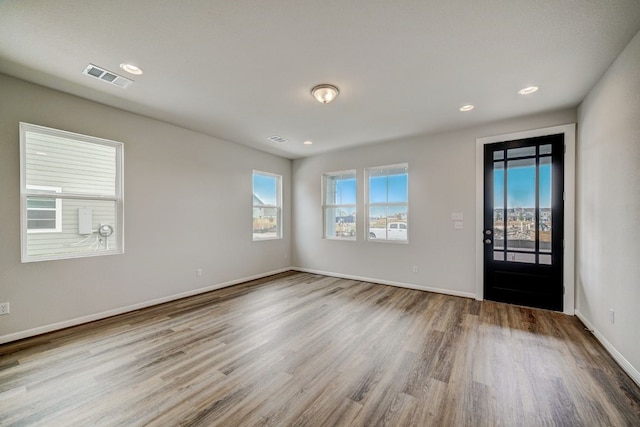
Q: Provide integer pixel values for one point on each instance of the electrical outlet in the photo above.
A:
(4, 308)
(198, 272)
(415, 268)
(612, 315)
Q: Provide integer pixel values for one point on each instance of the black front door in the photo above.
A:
(523, 221)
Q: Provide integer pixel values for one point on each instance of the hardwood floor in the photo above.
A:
(307, 350)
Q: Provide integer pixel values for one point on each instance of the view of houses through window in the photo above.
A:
(267, 206)
(44, 215)
(71, 189)
(387, 202)
(525, 184)
(339, 205)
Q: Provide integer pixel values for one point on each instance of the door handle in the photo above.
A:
(487, 241)
(488, 232)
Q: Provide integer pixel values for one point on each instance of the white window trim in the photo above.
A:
(368, 205)
(58, 209)
(25, 192)
(326, 206)
(277, 207)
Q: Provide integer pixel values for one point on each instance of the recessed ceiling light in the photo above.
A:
(41, 153)
(528, 90)
(467, 107)
(308, 142)
(131, 69)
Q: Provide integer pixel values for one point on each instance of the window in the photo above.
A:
(387, 202)
(44, 215)
(339, 205)
(71, 195)
(267, 206)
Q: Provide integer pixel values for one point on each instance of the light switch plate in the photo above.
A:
(458, 225)
(457, 216)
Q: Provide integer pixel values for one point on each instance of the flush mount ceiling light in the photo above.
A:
(308, 142)
(131, 69)
(467, 107)
(325, 93)
(528, 90)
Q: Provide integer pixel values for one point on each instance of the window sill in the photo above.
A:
(342, 239)
(394, 242)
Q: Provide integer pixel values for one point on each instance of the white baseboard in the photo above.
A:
(109, 313)
(619, 358)
(388, 282)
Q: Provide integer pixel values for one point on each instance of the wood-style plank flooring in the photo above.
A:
(298, 349)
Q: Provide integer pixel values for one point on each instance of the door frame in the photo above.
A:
(569, 131)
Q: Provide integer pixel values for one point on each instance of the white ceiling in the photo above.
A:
(242, 70)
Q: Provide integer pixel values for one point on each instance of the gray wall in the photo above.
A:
(608, 223)
(188, 205)
(442, 180)
(180, 184)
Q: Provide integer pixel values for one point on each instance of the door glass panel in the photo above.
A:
(521, 152)
(545, 204)
(520, 257)
(498, 229)
(521, 204)
(498, 205)
(545, 149)
(498, 255)
(544, 259)
(498, 155)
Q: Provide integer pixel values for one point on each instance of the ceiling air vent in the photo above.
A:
(107, 76)
(278, 139)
